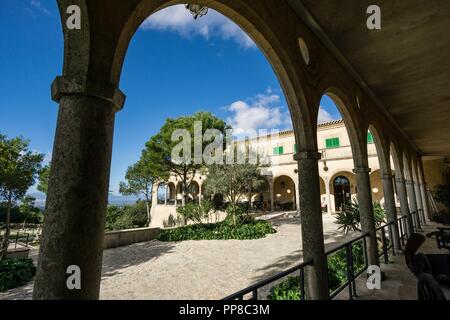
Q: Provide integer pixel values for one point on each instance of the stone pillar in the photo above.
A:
(200, 193)
(423, 191)
(296, 206)
(366, 212)
(412, 201)
(389, 203)
(311, 223)
(77, 196)
(404, 207)
(425, 203)
(420, 214)
(272, 203)
(328, 195)
(165, 194)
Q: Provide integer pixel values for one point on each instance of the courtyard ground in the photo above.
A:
(199, 269)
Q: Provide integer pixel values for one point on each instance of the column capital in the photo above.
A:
(65, 86)
(311, 155)
(362, 169)
(400, 180)
(387, 176)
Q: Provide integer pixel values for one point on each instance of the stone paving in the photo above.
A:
(400, 282)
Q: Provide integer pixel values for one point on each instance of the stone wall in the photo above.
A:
(114, 239)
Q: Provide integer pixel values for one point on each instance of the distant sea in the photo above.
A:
(113, 200)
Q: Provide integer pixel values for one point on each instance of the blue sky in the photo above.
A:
(175, 66)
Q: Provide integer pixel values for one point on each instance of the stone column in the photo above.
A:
(311, 223)
(272, 203)
(420, 214)
(296, 206)
(165, 194)
(404, 207)
(328, 195)
(200, 193)
(389, 203)
(412, 201)
(77, 196)
(366, 212)
(423, 191)
(425, 203)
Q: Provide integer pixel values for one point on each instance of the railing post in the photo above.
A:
(302, 283)
(383, 240)
(350, 273)
(391, 236)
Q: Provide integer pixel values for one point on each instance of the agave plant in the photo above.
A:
(349, 220)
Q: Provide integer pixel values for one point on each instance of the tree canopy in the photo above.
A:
(159, 149)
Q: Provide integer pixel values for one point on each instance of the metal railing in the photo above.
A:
(353, 271)
(403, 229)
(253, 290)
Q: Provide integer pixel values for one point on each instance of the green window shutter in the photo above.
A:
(278, 151)
(295, 149)
(332, 143)
(370, 138)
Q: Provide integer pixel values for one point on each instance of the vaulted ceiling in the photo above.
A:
(405, 65)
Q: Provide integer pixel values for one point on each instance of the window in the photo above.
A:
(332, 143)
(370, 138)
(277, 151)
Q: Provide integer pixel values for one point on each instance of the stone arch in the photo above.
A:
(381, 146)
(398, 162)
(406, 167)
(161, 193)
(171, 193)
(255, 26)
(352, 125)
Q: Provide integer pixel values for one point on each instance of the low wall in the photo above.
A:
(114, 239)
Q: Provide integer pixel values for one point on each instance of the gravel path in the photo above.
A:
(198, 269)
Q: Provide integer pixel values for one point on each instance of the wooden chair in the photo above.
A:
(428, 288)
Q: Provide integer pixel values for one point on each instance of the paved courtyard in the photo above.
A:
(198, 269)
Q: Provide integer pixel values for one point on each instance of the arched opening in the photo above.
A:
(342, 192)
(194, 192)
(105, 65)
(171, 193)
(339, 145)
(162, 193)
(284, 193)
(377, 186)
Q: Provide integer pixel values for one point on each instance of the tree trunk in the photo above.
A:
(149, 218)
(5, 242)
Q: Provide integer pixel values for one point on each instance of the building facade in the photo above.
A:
(337, 180)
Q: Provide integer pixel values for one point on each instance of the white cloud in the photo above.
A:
(325, 116)
(178, 19)
(260, 112)
(37, 4)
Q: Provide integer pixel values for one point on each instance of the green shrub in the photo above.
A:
(337, 275)
(127, 217)
(196, 212)
(286, 290)
(349, 220)
(15, 273)
(218, 231)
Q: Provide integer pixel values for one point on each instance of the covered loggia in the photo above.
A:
(89, 96)
(341, 184)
